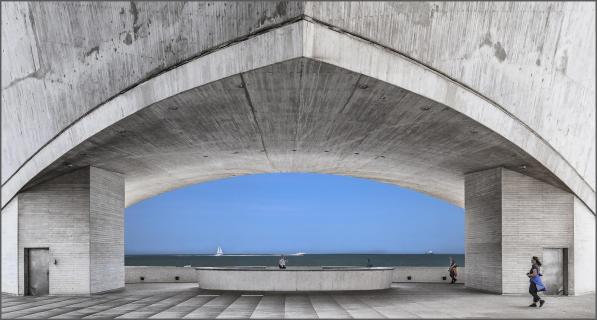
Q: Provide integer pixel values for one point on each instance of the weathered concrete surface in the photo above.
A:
(75, 56)
(427, 32)
(10, 232)
(272, 90)
(80, 218)
(531, 58)
(584, 249)
(426, 274)
(511, 217)
(272, 120)
(294, 278)
(167, 301)
(151, 274)
(133, 274)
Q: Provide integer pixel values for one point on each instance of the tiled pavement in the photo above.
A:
(167, 301)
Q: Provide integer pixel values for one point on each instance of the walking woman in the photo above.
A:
(535, 282)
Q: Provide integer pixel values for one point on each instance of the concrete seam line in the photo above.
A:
(250, 102)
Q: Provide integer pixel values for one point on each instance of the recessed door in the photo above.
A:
(554, 270)
(38, 271)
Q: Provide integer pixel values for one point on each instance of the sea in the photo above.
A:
(377, 260)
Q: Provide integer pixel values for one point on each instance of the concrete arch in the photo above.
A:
(312, 40)
(303, 89)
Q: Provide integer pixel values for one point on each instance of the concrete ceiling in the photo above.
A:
(297, 116)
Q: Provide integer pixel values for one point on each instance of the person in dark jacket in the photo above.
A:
(535, 283)
(453, 270)
(282, 262)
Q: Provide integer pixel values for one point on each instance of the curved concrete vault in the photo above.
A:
(306, 90)
(298, 115)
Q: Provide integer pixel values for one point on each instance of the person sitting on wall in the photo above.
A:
(369, 265)
(282, 262)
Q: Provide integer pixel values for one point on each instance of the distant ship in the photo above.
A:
(299, 254)
(429, 252)
(219, 252)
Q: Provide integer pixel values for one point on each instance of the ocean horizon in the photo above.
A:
(323, 259)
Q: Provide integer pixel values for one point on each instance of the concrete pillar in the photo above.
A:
(80, 217)
(10, 216)
(511, 217)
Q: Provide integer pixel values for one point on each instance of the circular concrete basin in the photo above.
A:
(294, 278)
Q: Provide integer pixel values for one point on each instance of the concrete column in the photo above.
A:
(80, 217)
(10, 216)
(583, 256)
(511, 217)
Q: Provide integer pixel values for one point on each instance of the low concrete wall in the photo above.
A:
(295, 279)
(160, 274)
(425, 274)
(188, 275)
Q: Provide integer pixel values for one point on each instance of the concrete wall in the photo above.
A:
(75, 56)
(539, 76)
(535, 215)
(83, 231)
(583, 254)
(426, 274)
(189, 275)
(511, 217)
(483, 232)
(539, 79)
(10, 225)
(313, 279)
(55, 215)
(531, 58)
(106, 230)
(133, 274)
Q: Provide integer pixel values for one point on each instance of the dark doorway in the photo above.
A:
(37, 271)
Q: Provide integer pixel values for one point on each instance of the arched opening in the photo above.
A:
(333, 220)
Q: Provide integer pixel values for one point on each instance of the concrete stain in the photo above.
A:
(128, 39)
(37, 74)
(91, 51)
(134, 11)
(499, 52)
(562, 65)
(281, 10)
(486, 41)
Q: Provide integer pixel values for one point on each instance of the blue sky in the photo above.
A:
(293, 212)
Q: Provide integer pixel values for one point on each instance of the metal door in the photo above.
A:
(554, 270)
(38, 272)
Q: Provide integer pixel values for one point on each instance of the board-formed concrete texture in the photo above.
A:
(79, 216)
(422, 95)
(511, 217)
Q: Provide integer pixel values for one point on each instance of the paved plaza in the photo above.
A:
(163, 301)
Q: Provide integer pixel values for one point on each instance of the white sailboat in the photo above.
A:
(219, 252)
